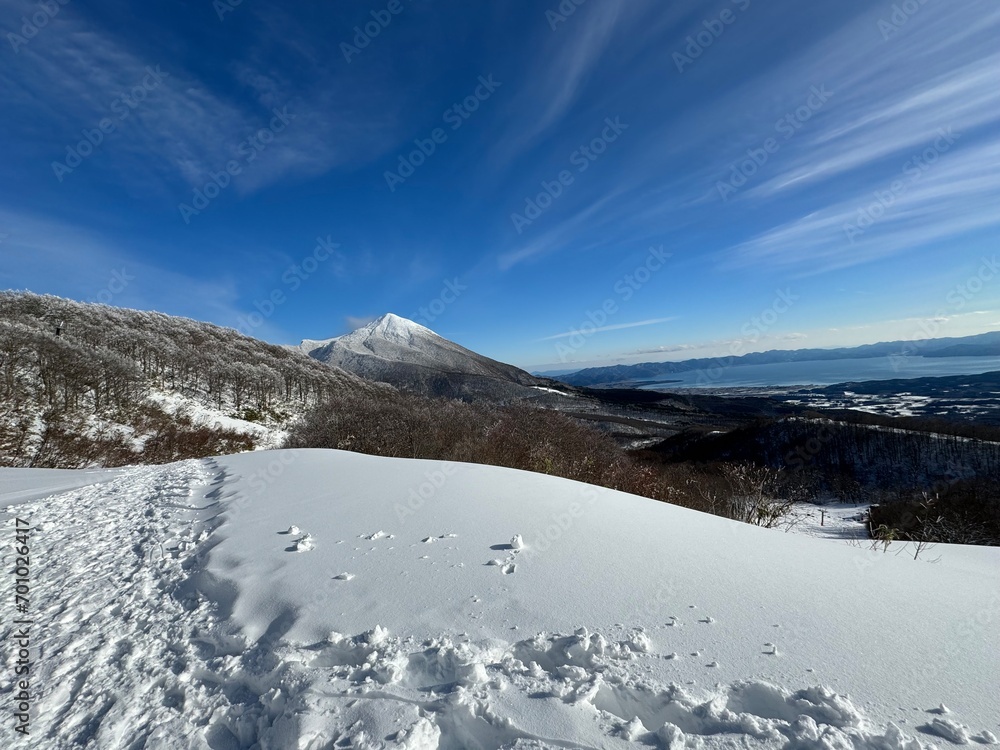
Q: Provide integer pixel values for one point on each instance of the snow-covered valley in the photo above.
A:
(318, 599)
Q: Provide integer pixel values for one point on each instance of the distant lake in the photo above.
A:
(827, 373)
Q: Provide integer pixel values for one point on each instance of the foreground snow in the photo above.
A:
(317, 599)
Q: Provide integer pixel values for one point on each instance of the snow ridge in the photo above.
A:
(136, 578)
(139, 651)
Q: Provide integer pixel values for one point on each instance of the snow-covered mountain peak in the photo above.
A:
(394, 327)
(389, 327)
(392, 349)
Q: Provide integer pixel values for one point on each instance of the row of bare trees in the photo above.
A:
(539, 440)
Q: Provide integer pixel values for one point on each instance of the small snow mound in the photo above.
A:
(344, 577)
(940, 710)
(293, 529)
(376, 535)
(639, 643)
(429, 539)
(305, 544)
(949, 730)
(424, 735)
(375, 636)
(820, 704)
(632, 730)
(985, 738)
(671, 737)
(517, 542)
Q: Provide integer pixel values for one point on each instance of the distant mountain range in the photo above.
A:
(982, 345)
(407, 355)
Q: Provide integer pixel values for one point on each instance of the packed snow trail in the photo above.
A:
(118, 623)
(168, 617)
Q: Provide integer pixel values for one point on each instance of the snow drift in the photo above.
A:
(319, 599)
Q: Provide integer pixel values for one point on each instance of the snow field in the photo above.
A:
(281, 601)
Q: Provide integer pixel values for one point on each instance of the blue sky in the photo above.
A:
(629, 181)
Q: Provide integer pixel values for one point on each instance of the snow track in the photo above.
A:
(136, 646)
(118, 622)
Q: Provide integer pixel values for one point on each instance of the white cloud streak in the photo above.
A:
(616, 327)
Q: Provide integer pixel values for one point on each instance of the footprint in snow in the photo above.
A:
(305, 544)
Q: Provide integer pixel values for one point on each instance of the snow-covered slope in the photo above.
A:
(398, 351)
(319, 599)
(88, 384)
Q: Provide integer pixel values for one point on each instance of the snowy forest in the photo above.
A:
(76, 381)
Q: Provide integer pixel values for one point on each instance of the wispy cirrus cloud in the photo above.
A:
(75, 73)
(893, 102)
(955, 196)
(566, 61)
(615, 327)
(896, 98)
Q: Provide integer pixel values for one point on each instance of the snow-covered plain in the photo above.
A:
(320, 599)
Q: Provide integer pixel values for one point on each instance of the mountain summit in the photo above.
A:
(395, 350)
